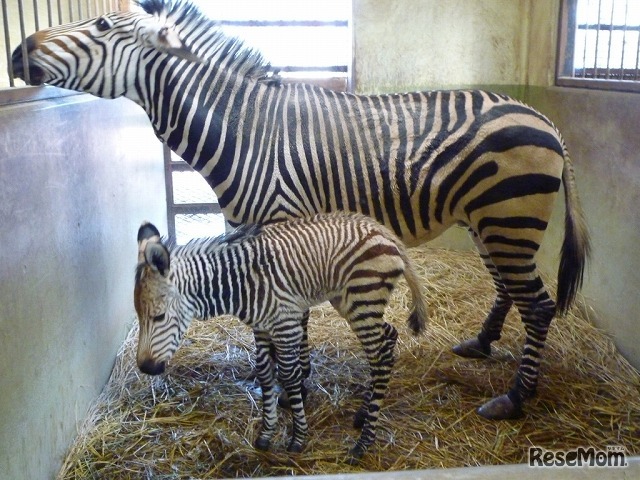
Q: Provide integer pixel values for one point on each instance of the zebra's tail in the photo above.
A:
(576, 246)
(419, 312)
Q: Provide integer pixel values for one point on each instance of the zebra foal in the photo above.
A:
(268, 277)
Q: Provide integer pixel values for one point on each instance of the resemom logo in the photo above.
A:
(613, 457)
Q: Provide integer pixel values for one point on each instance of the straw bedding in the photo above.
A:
(200, 419)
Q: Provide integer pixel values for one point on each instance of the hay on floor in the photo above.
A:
(200, 419)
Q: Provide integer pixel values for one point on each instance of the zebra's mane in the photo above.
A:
(206, 39)
(208, 244)
(204, 245)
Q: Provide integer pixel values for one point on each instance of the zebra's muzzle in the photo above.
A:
(26, 70)
(151, 367)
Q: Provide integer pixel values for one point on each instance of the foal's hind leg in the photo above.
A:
(390, 338)
(480, 346)
(363, 307)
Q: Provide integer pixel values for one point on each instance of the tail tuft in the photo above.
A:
(576, 247)
(419, 313)
(417, 322)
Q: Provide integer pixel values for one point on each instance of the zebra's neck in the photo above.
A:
(209, 281)
(191, 107)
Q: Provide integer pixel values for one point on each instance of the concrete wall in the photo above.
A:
(601, 132)
(411, 45)
(77, 177)
(510, 46)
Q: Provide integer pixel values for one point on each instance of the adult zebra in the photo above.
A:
(417, 162)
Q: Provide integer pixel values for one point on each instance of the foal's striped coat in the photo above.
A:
(268, 277)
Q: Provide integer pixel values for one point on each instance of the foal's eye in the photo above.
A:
(102, 24)
(158, 318)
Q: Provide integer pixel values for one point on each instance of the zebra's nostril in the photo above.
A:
(151, 367)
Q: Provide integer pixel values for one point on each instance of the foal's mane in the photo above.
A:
(208, 38)
(205, 245)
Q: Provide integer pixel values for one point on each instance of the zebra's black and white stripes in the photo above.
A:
(269, 277)
(417, 162)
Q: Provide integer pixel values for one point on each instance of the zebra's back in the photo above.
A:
(287, 265)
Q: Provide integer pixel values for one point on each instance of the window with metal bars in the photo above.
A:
(599, 44)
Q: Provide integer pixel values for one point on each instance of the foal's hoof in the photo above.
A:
(500, 408)
(355, 455)
(295, 447)
(262, 443)
(472, 348)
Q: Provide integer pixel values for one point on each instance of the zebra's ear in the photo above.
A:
(156, 256)
(146, 231)
(166, 39)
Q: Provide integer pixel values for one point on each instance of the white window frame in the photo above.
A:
(602, 74)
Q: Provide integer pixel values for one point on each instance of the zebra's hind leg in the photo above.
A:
(514, 262)
(480, 346)
(537, 312)
(266, 377)
(378, 340)
(390, 339)
(287, 337)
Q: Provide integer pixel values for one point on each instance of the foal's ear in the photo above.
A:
(156, 256)
(150, 249)
(147, 231)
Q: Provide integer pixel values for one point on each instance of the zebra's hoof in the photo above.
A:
(295, 447)
(283, 401)
(500, 408)
(262, 443)
(472, 348)
(355, 455)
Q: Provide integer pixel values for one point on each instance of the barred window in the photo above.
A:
(599, 44)
(305, 40)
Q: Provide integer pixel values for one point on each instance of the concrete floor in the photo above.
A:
(503, 472)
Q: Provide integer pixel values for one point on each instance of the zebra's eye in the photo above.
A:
(102, 24)
(158, 318)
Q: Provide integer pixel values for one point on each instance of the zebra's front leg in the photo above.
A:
(266, 377)
(537, 316)
(287, 338)
(305, 362)
(480, 346)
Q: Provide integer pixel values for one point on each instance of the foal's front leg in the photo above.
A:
(305, 362)
(266, 377)
(287, 338)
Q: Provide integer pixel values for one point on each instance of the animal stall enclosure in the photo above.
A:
(60, 189)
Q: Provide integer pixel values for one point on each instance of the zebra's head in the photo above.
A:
(100, 56)
(163, 314)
